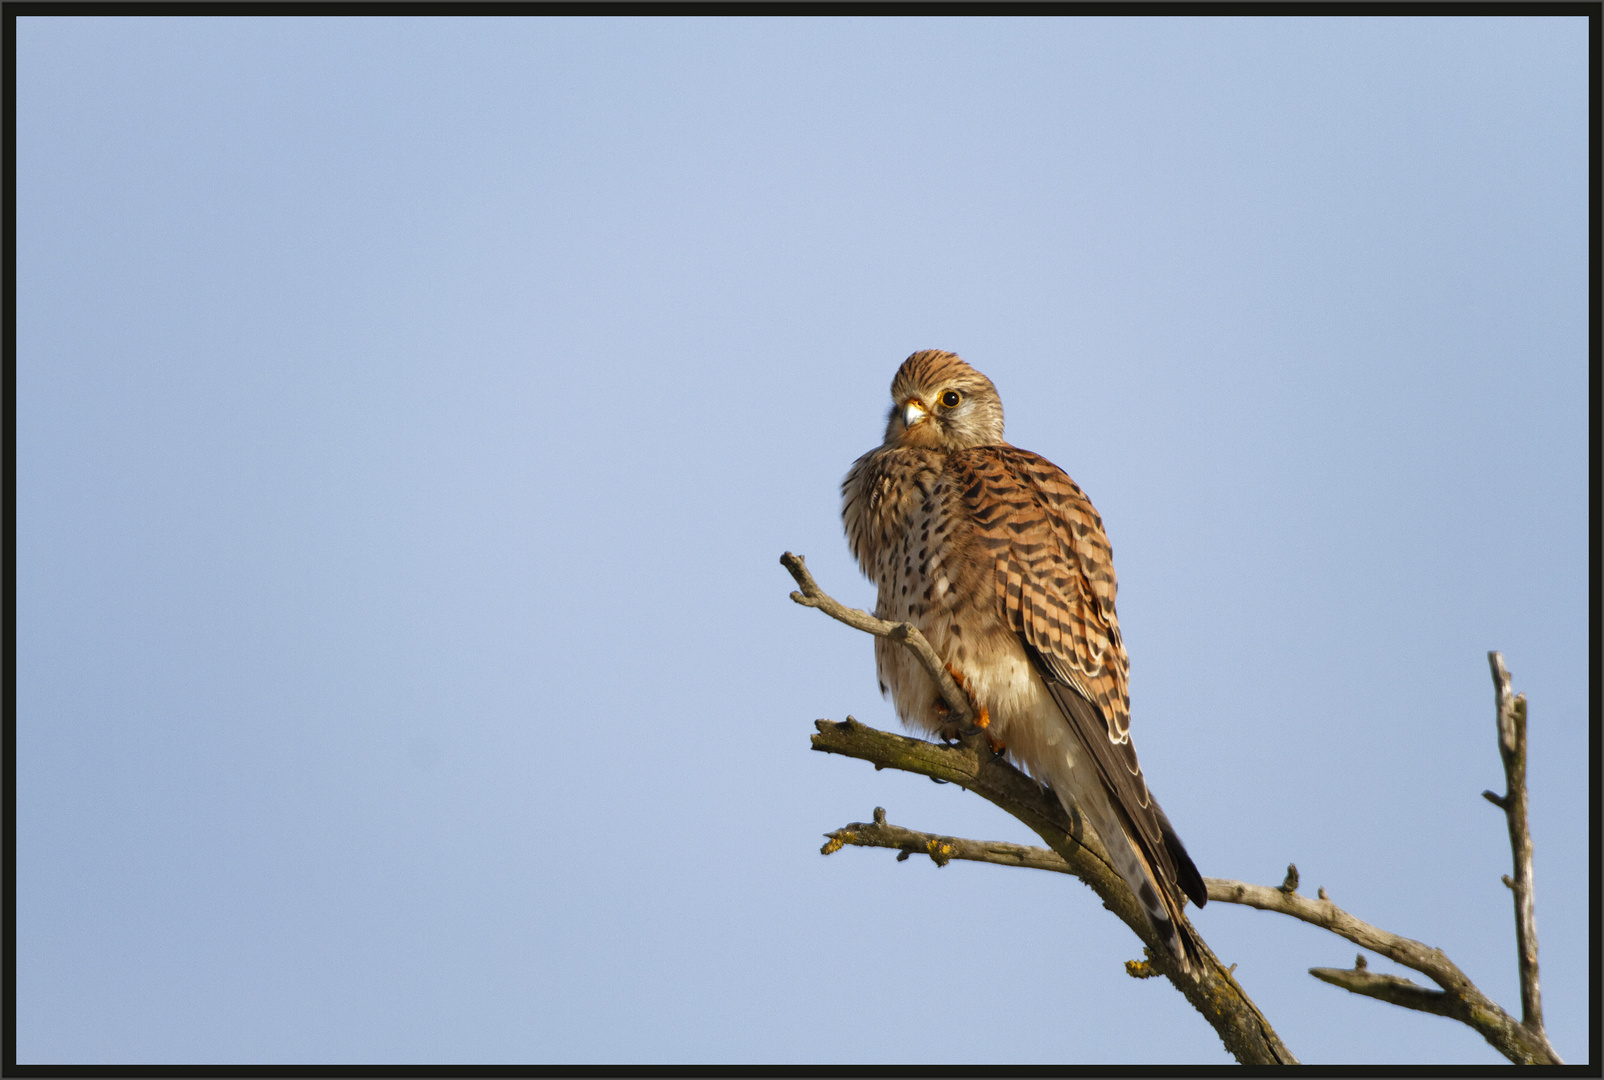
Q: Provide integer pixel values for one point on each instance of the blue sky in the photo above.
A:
(411, 414)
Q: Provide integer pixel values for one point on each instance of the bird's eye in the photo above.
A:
(951, 399)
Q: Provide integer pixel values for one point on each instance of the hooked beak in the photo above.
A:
(912, 413)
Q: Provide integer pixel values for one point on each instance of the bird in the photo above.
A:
(1001, 561)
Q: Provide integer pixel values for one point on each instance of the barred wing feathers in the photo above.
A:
(1055, 587)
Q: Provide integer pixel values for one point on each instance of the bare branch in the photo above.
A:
(941, 849)
(1247, 1035)
(1512, 749)
(1283, 899)
(1325, 914)
(1393, 989)
(812, 596)
(1214, 993)
(1459, 999)
(1074, 850)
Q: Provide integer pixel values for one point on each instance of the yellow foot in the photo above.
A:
(951, 730)
(957, 677)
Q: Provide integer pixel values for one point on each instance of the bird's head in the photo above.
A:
(941, 403)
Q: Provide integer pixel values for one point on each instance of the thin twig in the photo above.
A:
(1393, 989)
(941, 849)
(1459, 998)
(812, 596)
(1511, 712)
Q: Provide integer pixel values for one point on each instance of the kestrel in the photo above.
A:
(1001, 562)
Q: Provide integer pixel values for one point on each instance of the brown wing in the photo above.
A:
(1056, 587)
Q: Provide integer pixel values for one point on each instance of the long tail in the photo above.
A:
(1161, 905)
